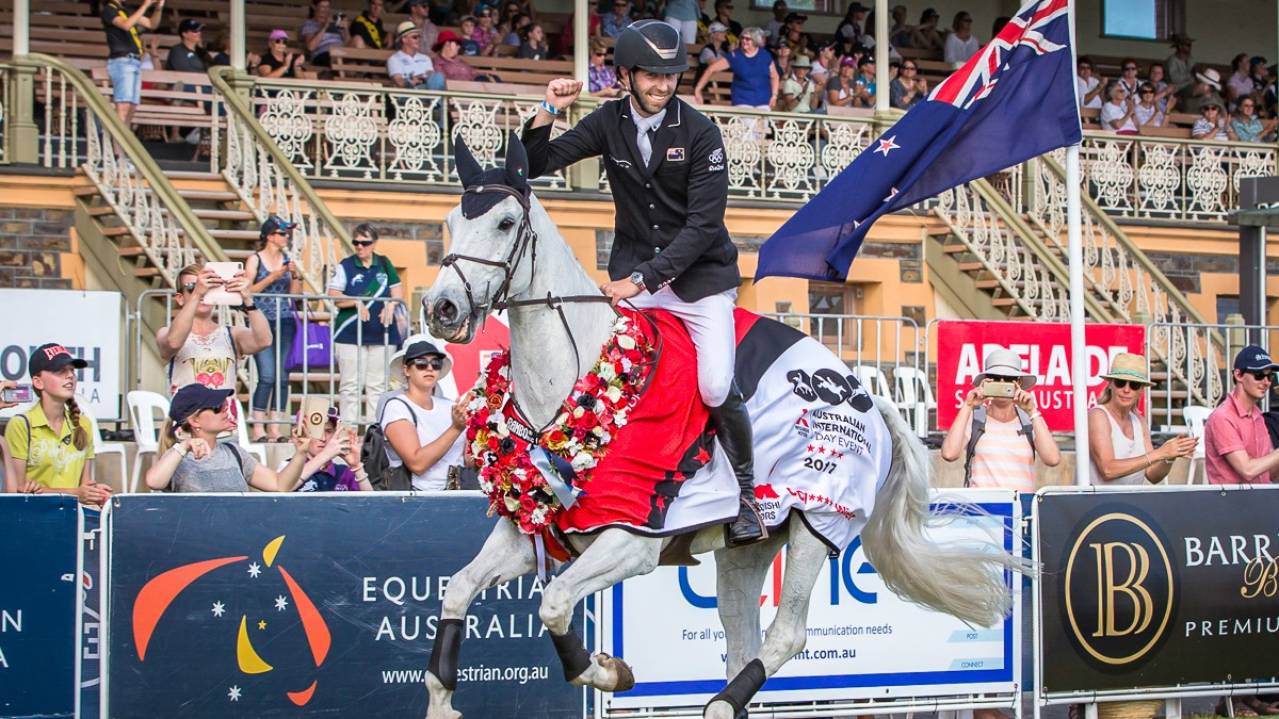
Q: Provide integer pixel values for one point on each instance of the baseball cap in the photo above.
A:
(195, 397)
(1254, 359)
(419, 346)
(278, 34)
(717, 27)
(275, 223)
(848, 61)
(190, 25)
(52, 357)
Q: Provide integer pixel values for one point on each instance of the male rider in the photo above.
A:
(668, 173)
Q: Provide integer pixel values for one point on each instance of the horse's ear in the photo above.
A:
(516, 163)
(468, 169)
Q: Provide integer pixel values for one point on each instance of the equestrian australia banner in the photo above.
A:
(285, 606)
(863, 641)
(39, 602)
(1158, 588)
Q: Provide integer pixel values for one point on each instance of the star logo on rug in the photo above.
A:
(887, 145)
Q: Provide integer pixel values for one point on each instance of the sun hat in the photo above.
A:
(1128, 366)
(717, 27)
(801, 61)
(445, 36)
(407, 28)
(1004, 363)
(1210, 76)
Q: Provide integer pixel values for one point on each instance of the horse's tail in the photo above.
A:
(966, 582)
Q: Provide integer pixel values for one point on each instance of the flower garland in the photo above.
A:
(595, 409)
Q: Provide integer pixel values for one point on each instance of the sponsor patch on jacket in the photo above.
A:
(674, 154)
(716, 160)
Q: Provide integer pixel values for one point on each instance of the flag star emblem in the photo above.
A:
(887, 145)
(281, 603)
(892, 192)
(233, 694)
(218, 609)
(254, 570)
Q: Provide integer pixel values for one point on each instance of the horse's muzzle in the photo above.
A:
(448, 320)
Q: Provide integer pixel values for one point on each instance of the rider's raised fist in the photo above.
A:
(562, 93)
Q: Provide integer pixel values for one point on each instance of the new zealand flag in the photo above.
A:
(1013, 100)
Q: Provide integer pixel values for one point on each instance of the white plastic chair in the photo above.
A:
(242, 435)
(915, 396)
(873, 380)
(143, 406)
(1195, 417)
(100, 448)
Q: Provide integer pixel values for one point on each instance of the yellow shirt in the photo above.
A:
(52, 459)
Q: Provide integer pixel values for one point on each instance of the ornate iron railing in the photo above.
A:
(5, 130)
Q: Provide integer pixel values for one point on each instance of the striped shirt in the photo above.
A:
(1003, 458)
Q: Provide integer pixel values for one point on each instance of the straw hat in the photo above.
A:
(407, 28)
(1128, 366)
(1005, 363)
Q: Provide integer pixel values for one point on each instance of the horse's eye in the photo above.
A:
(506, 224)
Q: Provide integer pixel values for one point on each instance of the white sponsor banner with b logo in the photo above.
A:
(863, 641)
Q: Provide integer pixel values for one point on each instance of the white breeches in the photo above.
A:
(710, 324)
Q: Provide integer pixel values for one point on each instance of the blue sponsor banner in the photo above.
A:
(39, 604)
(289, 605)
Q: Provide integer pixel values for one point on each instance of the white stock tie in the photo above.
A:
(645, 144)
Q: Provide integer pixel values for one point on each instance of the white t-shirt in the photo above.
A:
(1085, 87)
(1110, 112)
(401, 64)
(431, 423)
(958, 51)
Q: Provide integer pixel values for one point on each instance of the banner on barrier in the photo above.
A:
(863, 641)
(91, 614)
(1044, 348)
(257, 606)
(1158, 588)
(39, 605)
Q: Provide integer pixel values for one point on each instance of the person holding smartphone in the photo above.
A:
(332, 459)
(51, 445)
(999, 429)
(424, 432)
(323, 32)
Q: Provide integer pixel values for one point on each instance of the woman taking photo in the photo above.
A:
(332, 460)
(423, 431)
(192, 460)
(50, 445)
(1118, 438)
(273, 275)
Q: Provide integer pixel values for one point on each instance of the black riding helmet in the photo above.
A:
(651, 45)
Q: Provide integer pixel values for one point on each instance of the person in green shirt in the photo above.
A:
(50, 442)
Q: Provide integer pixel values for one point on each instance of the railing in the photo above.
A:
(78, 127)
(269, 182)
(6, 76)
(1199, 357)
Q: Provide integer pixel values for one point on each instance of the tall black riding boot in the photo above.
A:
(733, 428)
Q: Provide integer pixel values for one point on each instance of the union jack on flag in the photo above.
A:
(1013, 100)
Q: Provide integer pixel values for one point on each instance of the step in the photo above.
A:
(209, 195)
(954, 248)
(85, 191)
(193, 175)
(241, 255)
(314, 377)
(146, 272)
(1005, 302)
(234, 235)
(939, 232)
(120, 231)
(973, 266)
(101, 210)
(225, 215)
(131, 252)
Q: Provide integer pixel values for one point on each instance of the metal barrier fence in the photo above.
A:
(1198, 369)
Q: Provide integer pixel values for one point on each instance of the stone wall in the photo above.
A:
(32, 241)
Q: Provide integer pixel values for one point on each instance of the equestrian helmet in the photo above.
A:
(651, 45)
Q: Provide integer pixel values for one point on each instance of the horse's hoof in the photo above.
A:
(625, 677)
(722, 710)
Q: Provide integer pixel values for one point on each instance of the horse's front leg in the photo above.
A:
(506, 555)
(615, 555)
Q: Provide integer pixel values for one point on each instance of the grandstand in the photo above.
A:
(89, 203)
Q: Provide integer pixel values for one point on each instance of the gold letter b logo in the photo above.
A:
(1130, 590)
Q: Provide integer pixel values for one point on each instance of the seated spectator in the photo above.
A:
(190, 458)
(853, 26)
(799, 92)
(841, 89)
(615, 22)
(322, 32)
(1128, 79)
(793, 33)
(926, 36)
(1117, 114)
(1247, 127)
(279, 60)
(420, 14)
(755, 79)
(221, 52)
(716, 47)
(468, 26)
(367, 30)
(602, 79)
(199, 349)
(825, 63)
(333, 460)
(534, 46)
(1088, 86)
(683, 15)
(1259, 75)
(899, 31)
(1180, 65)
(512, 36)
(1147, 113)
(724, 16)
(999, 436)
(781, 60)
(961, 44)
(1212, 123)
(485, 33)
(1237, 447)
(774, 27)
(448, 61)
(1165, 94)
(908, 88)
(189, 55)
(423, 431)
(797, 40)
(273, 275)
(50, 446)
(409, 66)
(1118, 437)
(1239, 84)
(124, 51)
(864, 84)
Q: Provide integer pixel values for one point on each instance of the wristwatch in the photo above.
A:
(638, 279)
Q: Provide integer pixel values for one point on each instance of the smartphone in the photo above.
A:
(20, 393)
(225, 271)
(998, 389)
(315, 414)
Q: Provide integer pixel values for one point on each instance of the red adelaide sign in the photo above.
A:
(1044, 348)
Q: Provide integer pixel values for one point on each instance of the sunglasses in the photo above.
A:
(1261, 376)
(220, 409)
(188, 287)
(363, 243)
(281, 41)
(909, 67)
(435, 363)
(1147, 92)
(994, 378)
(1129, 67)
(1126, 383)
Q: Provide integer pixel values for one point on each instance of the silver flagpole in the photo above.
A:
(1078, 351)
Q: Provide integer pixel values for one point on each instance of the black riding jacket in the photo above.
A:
(670, 215)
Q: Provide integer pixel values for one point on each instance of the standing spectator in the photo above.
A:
(188, 55)
(909, 88)
(124, 51)
(615, 22)
(1247, 127)
(1204, 90)
(423, 431)
(864, 87)
(448, 61)
(774, 26)
(1118, 436)
(926, 35)
(1147, 113)
(782, 59)
(273, 275)
(825, 63)
(602, 78)
(322, 471)
(683, 15)
(196, 347)
(367, 30)
(1128, 77)
(1260, 78)
(534, 45)
(1237, 447)
(961, 44)
(190, 458)
(755, 80)
(365, 332)
(50, 445)
(409, 66)
(279, 60)
(1212, 124)
(851, 29)
(323, 32)
(724, 16)
(1118, 112)
(1239, 84)
(1000, 436)
(420, 14)
(900, 31)
(842, 88)
(799, 93)
(485, 34)
(716, 47)
(1088, 86)
(1179, 65)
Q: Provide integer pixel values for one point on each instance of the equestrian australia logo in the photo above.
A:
(1120, 590)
